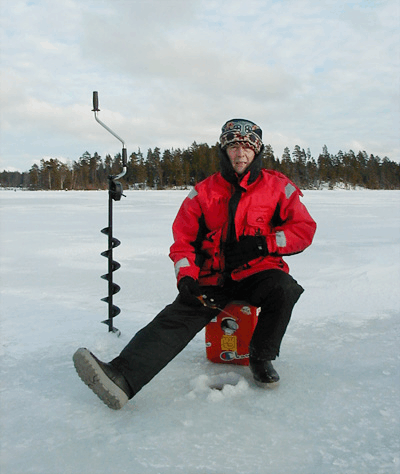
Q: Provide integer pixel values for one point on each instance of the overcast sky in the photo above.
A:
(170, 72)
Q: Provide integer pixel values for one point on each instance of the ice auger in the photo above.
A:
(114, 194)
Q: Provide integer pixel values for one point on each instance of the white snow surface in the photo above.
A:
(336, 409)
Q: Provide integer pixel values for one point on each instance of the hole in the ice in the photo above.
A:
(218, 382)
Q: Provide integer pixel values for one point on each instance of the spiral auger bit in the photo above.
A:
(115, 193)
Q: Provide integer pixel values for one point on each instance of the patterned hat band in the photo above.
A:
(243, 131)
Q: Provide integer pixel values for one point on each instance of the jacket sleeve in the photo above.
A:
(295, 228)
(186, 231)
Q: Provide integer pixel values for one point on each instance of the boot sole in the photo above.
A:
(93, 376)
(266, 385)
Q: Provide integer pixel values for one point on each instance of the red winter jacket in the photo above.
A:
(270, 205)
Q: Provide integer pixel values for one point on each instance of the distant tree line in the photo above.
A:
(184, 168)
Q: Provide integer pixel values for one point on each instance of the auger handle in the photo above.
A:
(95, 102)
(124, 152)
(95, 110)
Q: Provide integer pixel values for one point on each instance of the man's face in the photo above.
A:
(241, 156)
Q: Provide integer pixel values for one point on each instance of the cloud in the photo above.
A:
(170, 72)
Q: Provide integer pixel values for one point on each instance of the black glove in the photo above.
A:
(247, 248)
(189, 290)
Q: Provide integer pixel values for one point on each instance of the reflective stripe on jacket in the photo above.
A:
(270, 206)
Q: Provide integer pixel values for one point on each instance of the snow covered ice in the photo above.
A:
(335, 411)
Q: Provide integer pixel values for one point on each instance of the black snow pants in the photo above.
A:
(154, 346)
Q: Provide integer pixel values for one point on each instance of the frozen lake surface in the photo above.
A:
(335, 411)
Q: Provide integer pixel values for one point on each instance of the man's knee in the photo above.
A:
(275, 287)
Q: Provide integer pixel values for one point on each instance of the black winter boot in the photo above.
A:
(263, 372)
(104, 379)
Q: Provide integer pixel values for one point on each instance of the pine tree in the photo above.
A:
(94, 165)
(34, 176)
(325, 167)
(153, 166)
(167, 166)
(373, 173)
(108, 163)
(268, 158)
(286, 163)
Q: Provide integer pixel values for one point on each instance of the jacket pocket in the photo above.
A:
(258, 220)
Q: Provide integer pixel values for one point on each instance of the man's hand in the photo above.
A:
(189, 291)
(247, 248)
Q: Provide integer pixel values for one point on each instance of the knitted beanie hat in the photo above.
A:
(241, 130)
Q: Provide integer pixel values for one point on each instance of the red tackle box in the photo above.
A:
(228, 335)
